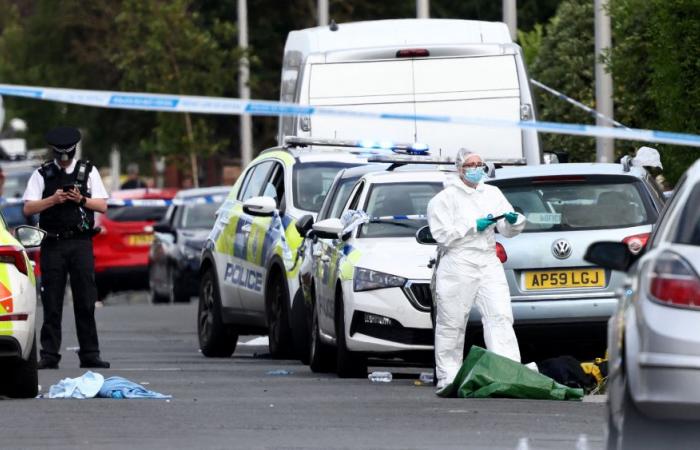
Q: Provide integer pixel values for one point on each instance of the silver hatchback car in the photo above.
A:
(554, 291)
(654, 337)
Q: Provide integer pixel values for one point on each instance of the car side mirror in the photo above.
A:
(260, 206)
(424, 236)
(163, 227)
(304, 224)
(29, 236)
(610, 255)
(328, 229)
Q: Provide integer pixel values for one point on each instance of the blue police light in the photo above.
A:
(419, 147)
(367, 144)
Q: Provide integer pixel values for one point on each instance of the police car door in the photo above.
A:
(264, 236)
(329, 252)
(240, 276)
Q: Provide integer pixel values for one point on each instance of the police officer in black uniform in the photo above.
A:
(66, 193)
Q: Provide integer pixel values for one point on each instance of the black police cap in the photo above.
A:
(63, 137)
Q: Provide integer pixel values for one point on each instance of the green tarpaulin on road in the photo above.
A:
(486, 374)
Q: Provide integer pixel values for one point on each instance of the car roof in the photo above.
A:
(202, 192)
(147, 193)
(565, 169)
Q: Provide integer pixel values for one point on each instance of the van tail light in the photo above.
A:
(674, 282)
(9, 254)
(636, 242)
(413, 53)
(501, 252)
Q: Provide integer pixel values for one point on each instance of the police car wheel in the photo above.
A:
(301, 327)
(348, 364)
(321, 358)
(23, 377)
(216, 339)
(279, 331)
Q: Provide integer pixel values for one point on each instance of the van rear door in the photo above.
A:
(474, 87)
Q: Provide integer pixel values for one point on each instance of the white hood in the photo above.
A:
(403, 257)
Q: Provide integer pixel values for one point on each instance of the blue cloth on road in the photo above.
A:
(92, 384)
(85, 386)
(118, 387)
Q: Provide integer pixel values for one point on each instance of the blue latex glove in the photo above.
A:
(511, 217)
(484, 223)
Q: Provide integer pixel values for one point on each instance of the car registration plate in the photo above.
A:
(565, 279)
(139, 239)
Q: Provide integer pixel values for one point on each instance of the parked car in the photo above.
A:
(18, 300)
(126, 233)
(554, 291)
(654, 338)
(370, 292)
(175, 254)
(250, 265)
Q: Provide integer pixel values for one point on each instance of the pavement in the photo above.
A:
(234, 402)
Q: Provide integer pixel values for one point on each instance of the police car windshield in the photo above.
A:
(199, 216)
(581, 203)
(311, 182)
(387, 204)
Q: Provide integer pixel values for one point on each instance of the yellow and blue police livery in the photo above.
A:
(250, 265)
(18, 294)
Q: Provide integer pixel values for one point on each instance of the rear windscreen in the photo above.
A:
(584, 204)
(136, 213)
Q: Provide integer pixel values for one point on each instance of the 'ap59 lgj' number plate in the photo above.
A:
(565, 279)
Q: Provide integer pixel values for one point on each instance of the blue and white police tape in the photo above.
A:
(234, 106)
(199, 200)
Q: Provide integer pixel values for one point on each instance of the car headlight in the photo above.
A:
(366, 280)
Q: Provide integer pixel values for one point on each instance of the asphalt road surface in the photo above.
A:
(235, 403)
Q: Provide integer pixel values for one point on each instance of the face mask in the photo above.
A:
(61, 156)
(473, 176)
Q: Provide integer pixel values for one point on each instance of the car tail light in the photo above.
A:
(501, 252)
(10, 254)
(674, 282)
(636, 242)
(413, 53)
(559, 179)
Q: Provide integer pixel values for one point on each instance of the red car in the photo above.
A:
(121, 247)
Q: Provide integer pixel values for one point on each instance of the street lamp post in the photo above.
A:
(246, 124)
(322, 7)
(423, 9)
(510, 17)
(605, 147)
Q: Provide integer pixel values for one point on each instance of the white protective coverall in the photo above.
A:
(470, 272)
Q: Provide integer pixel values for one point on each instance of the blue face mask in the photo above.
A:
(473, 176)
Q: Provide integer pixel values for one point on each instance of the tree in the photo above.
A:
(163, 48)
(565, 61)
(656, 68)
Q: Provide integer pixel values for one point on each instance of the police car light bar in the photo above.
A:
(398, 161)
(401, 148)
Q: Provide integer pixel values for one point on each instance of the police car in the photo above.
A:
(371, 282)
(18, 294)
(249, 271)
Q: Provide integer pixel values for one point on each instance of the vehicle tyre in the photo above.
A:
(216, 339)
(301, 327)
(277, 307)
(348, 364)
(321, 358)
(642, 432)
(177, 293)
(23, 379)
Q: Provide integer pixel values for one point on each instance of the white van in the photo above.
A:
(416, 67)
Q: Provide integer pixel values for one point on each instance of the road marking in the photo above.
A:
(258, 341)
(149, 369)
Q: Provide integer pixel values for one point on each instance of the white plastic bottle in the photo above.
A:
(380, 377)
